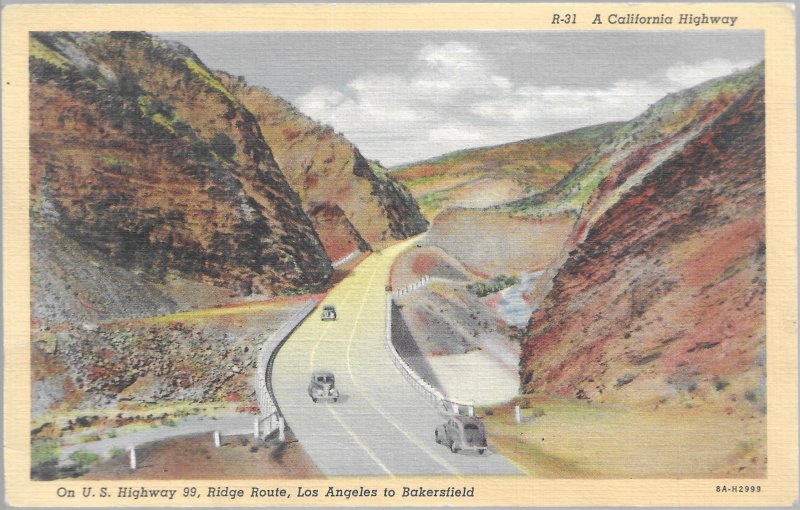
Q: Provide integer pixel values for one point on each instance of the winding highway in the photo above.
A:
(380, 425)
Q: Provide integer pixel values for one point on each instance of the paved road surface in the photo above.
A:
(381, 425)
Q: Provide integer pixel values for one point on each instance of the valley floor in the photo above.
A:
(570, 439)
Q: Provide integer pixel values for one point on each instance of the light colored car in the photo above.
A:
(329, 313)
(322, 386)
(462, 433)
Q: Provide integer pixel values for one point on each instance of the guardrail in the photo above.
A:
(268, 407)
(344, 260)
(435, 397)
(414, 286)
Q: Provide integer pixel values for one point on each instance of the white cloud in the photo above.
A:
(620, 101)
(451, 98)
(501, 82)
(688, 75)
(402, 118)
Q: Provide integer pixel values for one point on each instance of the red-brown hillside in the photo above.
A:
(140, 154)
(664, 296)
(327, 172)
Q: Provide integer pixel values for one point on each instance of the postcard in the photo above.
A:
(393, 255)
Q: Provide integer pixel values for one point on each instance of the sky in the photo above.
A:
(408, 96)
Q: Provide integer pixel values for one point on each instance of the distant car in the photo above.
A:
(329, 313)
(462, 433)
(322, 387)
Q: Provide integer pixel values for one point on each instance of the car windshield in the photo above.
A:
(472, 433)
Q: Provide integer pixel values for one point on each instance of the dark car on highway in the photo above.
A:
(322, 386)
(329, 313)
(462, 433)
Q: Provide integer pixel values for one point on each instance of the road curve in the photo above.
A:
(380, 425)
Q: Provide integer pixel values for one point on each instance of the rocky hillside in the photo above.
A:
(490, 176)
(637, 147)
(660, 295)
(198, 356)
(351, 200)
(72, 284)
(143, 157)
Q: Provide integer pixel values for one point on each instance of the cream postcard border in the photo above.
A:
(779, 488)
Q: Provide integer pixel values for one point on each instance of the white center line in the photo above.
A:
(335, 415)
(422, 446)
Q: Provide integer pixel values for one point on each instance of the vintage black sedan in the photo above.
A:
(329, 313)
(322, 387)
(462, 433)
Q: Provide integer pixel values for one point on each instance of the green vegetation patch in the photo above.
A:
(158, 112)
(42, 52)
(422, 180)
(84, 458)
(163, 121)
(117, 453)
(377, 168)
(581, 190)
(430, 202)
(44, 450)
(210, 81)
(733, 84)
(496, 284)
(114, 162)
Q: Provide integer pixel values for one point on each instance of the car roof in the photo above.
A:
(322, 372)
(468, 419)
(328, 307)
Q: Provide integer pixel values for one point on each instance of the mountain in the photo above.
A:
(659, 295)
(634, 150)
(141, 155)
(353, 203)
(489, 176)
(636, 147)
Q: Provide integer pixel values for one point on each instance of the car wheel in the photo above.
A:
(314, 400)
(335, 399)
(453, 447)
(437, 437)
(481, 452)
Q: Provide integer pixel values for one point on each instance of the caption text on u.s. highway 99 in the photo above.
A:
(137, 492)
